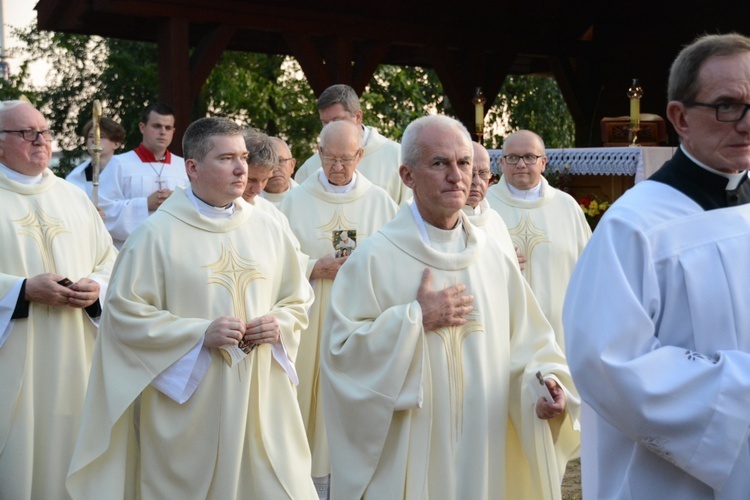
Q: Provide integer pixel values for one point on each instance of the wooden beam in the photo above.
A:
(581, 90)
(366, 63)
(174, 74)
(310, 60)
(206, 54)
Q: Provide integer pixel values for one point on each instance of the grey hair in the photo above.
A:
(7, 106)
(411, 148)
(260, 151)
(339, 94)
(337, 128)
(196, 143)
(683, 83)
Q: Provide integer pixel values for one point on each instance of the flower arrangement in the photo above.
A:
(593, 208)
(559, 179)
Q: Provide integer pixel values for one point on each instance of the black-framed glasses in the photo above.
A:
(32, 135)
(726, 112)
(485, 174)
(527, 159)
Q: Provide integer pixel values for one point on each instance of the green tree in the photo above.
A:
(268, 92)
(532, 103)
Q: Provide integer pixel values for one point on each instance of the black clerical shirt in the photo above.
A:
(705, 188)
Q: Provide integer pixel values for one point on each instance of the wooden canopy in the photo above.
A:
(593, 48)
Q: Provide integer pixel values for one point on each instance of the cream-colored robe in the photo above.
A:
(380, 162)
(446, 413)
(45, 360)
(240, 435)
(276, 198)
(490, 221)
(551, 232)
(314, 214)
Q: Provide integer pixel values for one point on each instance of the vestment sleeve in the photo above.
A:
(688, 407)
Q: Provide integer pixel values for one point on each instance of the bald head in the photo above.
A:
(26, 157)
(524, 146)
(480, 175)
(340, 151)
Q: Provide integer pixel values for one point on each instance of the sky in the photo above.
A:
(18, 14)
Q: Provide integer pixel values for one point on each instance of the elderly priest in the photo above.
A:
(432, 347)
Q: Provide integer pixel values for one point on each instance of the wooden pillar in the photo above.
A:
(174, 74)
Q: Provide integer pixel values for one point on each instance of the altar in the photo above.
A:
(605, 173)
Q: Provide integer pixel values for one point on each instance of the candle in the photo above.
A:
(635, 112)
(635, 92)
(479, 116)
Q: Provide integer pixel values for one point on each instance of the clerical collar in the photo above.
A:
(444, 240)
(209, 210)
(733, 180)
(21, 178)
(146, 156)
(337, 189)
(526, 194)
(476, 210)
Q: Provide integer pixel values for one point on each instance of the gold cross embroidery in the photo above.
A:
(453, 338)
(338, 222)
(43, 229)
(527, 236)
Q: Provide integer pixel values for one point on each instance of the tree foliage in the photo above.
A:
(268, 92)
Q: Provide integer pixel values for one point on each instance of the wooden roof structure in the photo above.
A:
(593, 48)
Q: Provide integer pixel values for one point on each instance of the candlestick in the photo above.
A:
(635, 93)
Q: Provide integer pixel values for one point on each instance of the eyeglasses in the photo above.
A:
(33, 135)
(284, 160)
(726, 112)
(330, 161)
(527, 159)
(484, 174)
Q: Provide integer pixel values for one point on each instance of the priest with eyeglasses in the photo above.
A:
(335, 201)
(546, 224)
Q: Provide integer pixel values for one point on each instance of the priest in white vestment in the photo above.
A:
(55, 264)
(140, 180)
(546, 225)
(281, 182)
(477, 208)
(192, 393)
(337, 199)
(381, 157)
(656, 315)
(431, 349)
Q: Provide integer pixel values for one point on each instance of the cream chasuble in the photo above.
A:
(491, 222)
(276, 198)
(51, 227)
(446, 413)
(551, 232)
(380, 163)
(314, 214)
(240, 435)
(126, 185)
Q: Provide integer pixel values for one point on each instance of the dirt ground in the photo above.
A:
(571, 485)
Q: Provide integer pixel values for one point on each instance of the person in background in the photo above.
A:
(139, 181)
(112, 136)
(281, 182)
(381, 157)
(547, 225)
